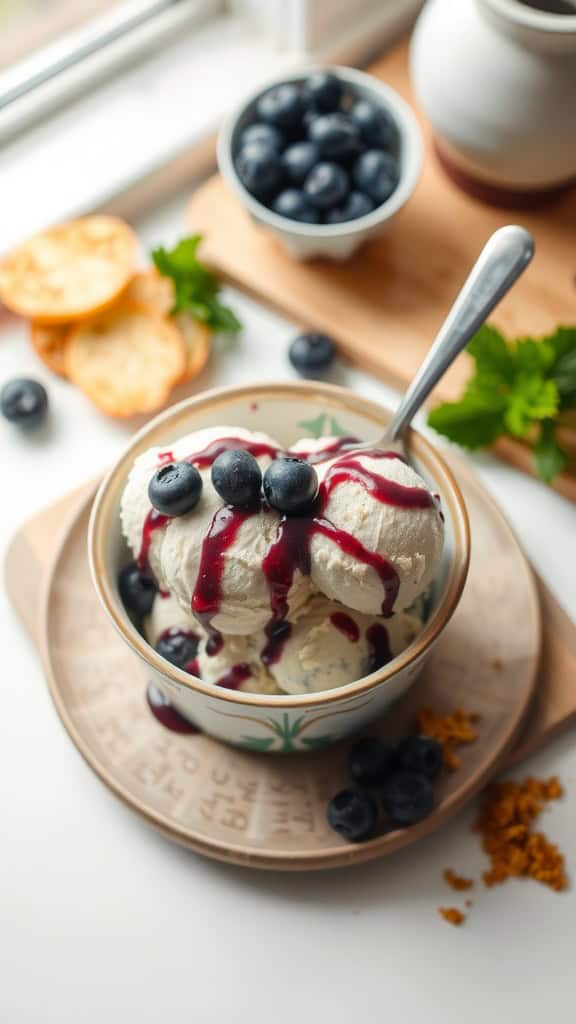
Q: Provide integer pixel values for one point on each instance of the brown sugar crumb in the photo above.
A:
(505, 821)
(451, 731)
(456, 881)
(452, 915)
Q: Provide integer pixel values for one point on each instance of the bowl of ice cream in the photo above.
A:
(289, 617)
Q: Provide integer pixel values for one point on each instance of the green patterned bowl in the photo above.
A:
(280, 723)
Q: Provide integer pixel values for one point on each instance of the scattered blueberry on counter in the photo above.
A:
(24, 401)
(399, 780)
(353, 813)
(371, 761)
(137, 590)
(421, 754)
(318, 153)
(175, 488)
(312, 354)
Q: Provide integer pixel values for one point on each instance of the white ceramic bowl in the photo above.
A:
(336, 241)
(280, 722)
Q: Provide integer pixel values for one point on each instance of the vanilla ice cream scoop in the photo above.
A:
(236, 664)
(211, 558)
(330, 646)
(382, 540)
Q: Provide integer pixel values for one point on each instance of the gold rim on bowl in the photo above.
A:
(108, 496)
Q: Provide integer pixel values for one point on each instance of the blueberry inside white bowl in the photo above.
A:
(324, 159)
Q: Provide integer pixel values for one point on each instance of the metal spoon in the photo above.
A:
(504, 257)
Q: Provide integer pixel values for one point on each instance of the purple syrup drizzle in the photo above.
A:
(222, 533)
(234, 678)
(380, 654)
(166, 714)
(214, 644)
(206, 456)
(154, 521)
(346, 625)
(277, 634)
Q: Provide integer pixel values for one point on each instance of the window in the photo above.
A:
(48, 47)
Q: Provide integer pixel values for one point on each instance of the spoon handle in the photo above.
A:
(506, 254)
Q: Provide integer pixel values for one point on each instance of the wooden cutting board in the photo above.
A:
(385, 304)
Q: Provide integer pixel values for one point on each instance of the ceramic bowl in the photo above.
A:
(335, 241)
(280, 722)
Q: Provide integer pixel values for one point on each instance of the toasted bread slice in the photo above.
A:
(127, 359)
(49, 342)
(70, 271)
(152, 288)
(197, 340)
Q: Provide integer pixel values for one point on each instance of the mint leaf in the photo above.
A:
(564, 375)
(549, 458)
(473, 422)
(196, 288)
(532, 399)
(491, 353)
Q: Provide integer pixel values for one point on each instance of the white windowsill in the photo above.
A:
(151, 129)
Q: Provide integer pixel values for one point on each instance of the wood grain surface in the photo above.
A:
(385, 305)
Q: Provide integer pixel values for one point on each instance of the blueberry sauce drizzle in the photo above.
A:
(167, 715)
(233, 679)
(346, 625)
(380, 653)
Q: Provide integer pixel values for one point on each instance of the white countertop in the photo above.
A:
(102, 919)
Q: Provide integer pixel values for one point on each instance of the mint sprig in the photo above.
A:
(518, 388)
(196, 288)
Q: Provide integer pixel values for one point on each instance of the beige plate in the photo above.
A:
(268, 811)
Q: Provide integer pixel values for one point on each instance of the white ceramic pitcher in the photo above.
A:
(497, 81)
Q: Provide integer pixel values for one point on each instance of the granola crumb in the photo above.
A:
(451, 730)
(507, 814)
(457, 882)
(468, 903)
(452, 915)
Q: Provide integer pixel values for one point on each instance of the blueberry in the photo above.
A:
(376, 173)
(24, 401)
(407, 797)
(262, 135)
(281, 106)
(326, 185)
(175, 488)
(421, 754)
(371, 761)
(293, 203)
(376, 124)
(323, 90)
(353, 814)
(236, 477)
(336, 136)
(298, 160)
(177, 646)
(355, 205)
(291, 486)
(311, 354)
(137, 590)
(259, 168)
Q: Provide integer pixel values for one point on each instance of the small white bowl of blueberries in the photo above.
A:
(324, 159)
